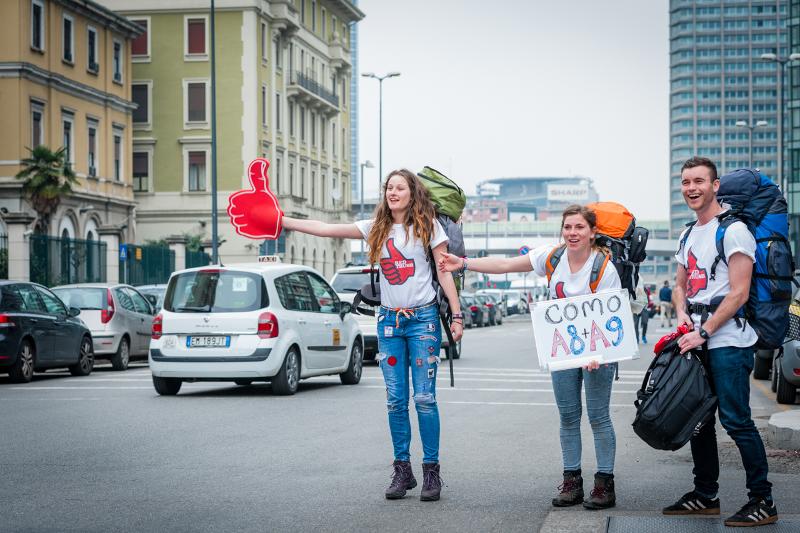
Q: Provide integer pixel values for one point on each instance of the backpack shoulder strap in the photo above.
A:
(725, 220)
(598, 269)
(685, 237)
(553, 258)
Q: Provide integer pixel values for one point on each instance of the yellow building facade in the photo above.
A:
(65, 81)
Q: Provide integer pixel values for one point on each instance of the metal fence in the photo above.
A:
(145, 265)
(59, 261)
(3, 256)
(197, 259)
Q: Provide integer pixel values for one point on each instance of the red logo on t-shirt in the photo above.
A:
(396, 268)
(697, 278)
(560, 290)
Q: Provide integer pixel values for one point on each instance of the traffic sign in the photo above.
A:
(524, 250)
(123, 252)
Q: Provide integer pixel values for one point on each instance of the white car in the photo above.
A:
(253, 322)
(346, 282)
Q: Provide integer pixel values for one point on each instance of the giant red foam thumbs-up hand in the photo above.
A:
(255, 212)
(396, 268)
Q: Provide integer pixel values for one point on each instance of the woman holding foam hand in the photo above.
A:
(569, 269)
(401, 236)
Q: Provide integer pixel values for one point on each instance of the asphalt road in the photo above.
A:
(105, 453)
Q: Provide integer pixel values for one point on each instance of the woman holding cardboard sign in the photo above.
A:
(583, 272)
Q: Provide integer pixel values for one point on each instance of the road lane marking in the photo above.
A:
(492, 380)
(481, 389)
(533, 404)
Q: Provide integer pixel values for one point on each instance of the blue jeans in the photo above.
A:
(567, 389)
(411, 340)
(730, 369)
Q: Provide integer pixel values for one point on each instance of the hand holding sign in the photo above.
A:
(255, 212)
(396, 268)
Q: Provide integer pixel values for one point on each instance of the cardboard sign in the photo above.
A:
(255, 212)
(572, 332)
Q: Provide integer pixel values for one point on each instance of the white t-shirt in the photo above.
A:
(406, 273)
(565, 284)
(697, 256)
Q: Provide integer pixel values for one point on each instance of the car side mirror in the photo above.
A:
(344, 308)
(74, 311)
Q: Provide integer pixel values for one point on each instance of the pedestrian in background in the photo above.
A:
(665, 301)
(640, 307)
(570, 278)
(709, 305)
(401, 237)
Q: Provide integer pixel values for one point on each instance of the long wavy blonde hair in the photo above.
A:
(419, 215)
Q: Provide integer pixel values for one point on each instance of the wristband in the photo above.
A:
(464, 267)
(458, 315)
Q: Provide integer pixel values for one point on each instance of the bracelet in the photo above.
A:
(460, 321)
(458, 315)
(464, 266)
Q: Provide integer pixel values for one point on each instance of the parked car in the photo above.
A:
(253, 322)
(786, 363)
(516, 302)
(480, 317)
(118, 316)
(499, 298)
(465, 310)
(37, 331)
(490, 306)
(154, 294)
(346, 282)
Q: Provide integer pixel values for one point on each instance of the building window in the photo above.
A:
(91, 48)
(117, 155)
(333, 137)
(264, 104)
(344, 145)
(264, 52)
(92, 148)
(67, 121)
(196, 102)
(313, 129)
(302, 123)
(37, 24)
(140, 47)
(313, 16)
(302, 182)
(277, 179)
(197, 171)
(37, 124)
(324, 25)
(141, 171)
(291, 178)
(278, 111)
(276, 43)
(117, 61)
(322, 131)
(291, 119)
(67, 39)
(302, 11)
(195, 32)
(140, 94)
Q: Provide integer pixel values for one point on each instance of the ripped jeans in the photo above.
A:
(411, 339)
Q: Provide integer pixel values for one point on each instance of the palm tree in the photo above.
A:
(48, 178)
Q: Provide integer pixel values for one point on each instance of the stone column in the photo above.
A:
(177, 243)
(111, 236)
(19, 248)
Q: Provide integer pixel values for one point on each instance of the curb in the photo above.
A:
(784, 430)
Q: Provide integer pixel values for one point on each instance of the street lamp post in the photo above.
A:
(744, 124)
(380, 120)
(365, 164)
(782, 62)
(214, 232)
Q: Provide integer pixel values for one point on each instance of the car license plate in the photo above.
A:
(208, 341)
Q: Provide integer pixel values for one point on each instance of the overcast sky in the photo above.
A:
(522, 88)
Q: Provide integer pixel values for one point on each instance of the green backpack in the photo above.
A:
(448, 197)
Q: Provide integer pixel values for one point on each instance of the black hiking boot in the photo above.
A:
(756, 512)
(571, 490)
(402, 480)
(693, 503)
(602, 495)
(431, 482)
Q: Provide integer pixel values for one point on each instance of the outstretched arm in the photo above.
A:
(486, 265)
(449, 287)
(322, 229)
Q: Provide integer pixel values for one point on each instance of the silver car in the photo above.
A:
(119, 317)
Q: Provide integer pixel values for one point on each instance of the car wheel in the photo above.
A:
(786, 392)
(243, 382)
(285, 381)
(762, 363)
(22, 371)
(167, 386)
(352, 375)
(85, 362)
(120, 360)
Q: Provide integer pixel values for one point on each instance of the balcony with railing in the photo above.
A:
(309, 91)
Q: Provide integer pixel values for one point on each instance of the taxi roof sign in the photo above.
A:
(269, 259)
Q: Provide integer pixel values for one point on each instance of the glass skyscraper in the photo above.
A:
(718, 79)
(793, 133)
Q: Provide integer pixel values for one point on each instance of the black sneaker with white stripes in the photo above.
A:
(693, 503)
(756, 512)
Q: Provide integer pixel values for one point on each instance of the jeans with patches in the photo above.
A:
(410, 340)
(567, 389)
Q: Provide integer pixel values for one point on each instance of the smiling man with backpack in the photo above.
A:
(718, 294)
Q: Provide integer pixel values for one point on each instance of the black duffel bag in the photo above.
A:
(676, 399)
